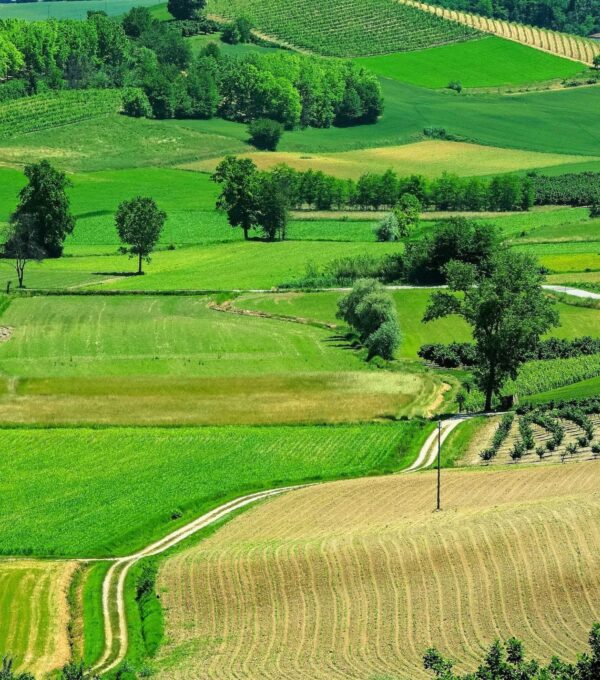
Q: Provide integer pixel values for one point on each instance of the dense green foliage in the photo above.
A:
(582, 17)
(346, 27)
(506, 309)
(139, 225)
(508, 662)
(265, 133)
(135, 478)
(569, 189)
(371, 312)
(149, 607)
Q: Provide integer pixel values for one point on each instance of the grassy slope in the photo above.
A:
(135, 479)
(69, 9)
(488, 62)
(166, 360)
(371, 559)
(34, 613)
(489, 119)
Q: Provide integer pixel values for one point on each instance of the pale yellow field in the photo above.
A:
(356, 579)
(429, 158)
(34, 613)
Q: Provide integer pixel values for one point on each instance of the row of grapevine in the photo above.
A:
(54, 109)
(565, 45)
(346, 28)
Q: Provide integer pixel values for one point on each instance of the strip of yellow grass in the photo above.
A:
(429, 158)
(565, 45)
(356, 579)
(34, 613)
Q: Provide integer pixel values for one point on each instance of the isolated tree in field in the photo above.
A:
(22, 245)
(185, 9)
(139, 224)
(506, 309)
(239, 194)
(45, 202)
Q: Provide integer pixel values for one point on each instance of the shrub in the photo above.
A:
(385, 340)
(455, 85)
(526, 433)
(388, 229)
(517, 451)
(582, 441)
(265, 133)
(596, 449)
(136, 104)
(487, 454)
(571, 448)
(540, 452)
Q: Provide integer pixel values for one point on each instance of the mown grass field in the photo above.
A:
(173, 360)
(140, 483)
(359, 578)
(430, 158)
(488, 62)
(69, 9)
(34, 613)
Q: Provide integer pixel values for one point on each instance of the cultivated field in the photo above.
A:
(70, 9)
(142, 482)
(429, 158)
(488, 62)
(345, 28)
(34, 613)
(357, 579)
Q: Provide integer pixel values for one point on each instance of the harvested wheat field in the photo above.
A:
(34, 613)
(356, 579)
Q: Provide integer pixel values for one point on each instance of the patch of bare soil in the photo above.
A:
(5, 333)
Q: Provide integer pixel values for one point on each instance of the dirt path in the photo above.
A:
(113, 588)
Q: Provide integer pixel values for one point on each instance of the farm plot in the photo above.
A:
(356, 579)
(173, 360)
(34, 613)
(142, 482)
(70, 9)
(489, 62)
(344, 28)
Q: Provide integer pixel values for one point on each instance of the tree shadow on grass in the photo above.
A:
(115, 274)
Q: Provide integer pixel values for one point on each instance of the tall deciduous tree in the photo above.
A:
(239, 194)
(506, 309)
(185, 9)
(45, 202)
(139, 224)
(21, 244)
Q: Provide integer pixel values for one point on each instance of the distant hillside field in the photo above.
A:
(69, 9)
(489, 62)
(356, 579)
(344, 28)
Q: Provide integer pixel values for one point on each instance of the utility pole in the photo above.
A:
(439, 466)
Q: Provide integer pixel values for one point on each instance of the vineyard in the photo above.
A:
(53, 109)
(563, 44)
(346, 28)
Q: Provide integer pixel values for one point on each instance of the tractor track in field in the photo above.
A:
(113, 586)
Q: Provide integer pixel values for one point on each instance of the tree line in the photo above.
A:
(581, 17)
(574, 189)
(43, 220)
(163, 79)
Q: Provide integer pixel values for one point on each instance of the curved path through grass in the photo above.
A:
(113, 587)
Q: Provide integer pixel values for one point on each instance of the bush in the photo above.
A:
(455, 85)
(518, 451)
(540, 452)
(265, 133)
(385, 340)
(388, 229)
(487, 454)
(136, 104)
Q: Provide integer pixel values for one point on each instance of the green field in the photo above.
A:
(136, 479)
(173, 360)
(69, 9)
(489, 62)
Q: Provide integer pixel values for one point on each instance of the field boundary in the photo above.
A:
(575, 48)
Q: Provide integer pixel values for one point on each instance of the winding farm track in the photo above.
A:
(113, 587)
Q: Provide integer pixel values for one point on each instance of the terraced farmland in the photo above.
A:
(34, 613)
(356, 579)
(346, 28)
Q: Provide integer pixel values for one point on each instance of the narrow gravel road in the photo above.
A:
(113, 587)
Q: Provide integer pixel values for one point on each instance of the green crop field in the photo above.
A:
(488, 62)
(137, 479)
(172, 359)
(69, 9)
(345, 28)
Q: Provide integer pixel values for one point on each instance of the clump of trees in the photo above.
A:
(42, 220)
(507, 661)
(253, 200)
(371, 312)
(139, 224)
(506, 308)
